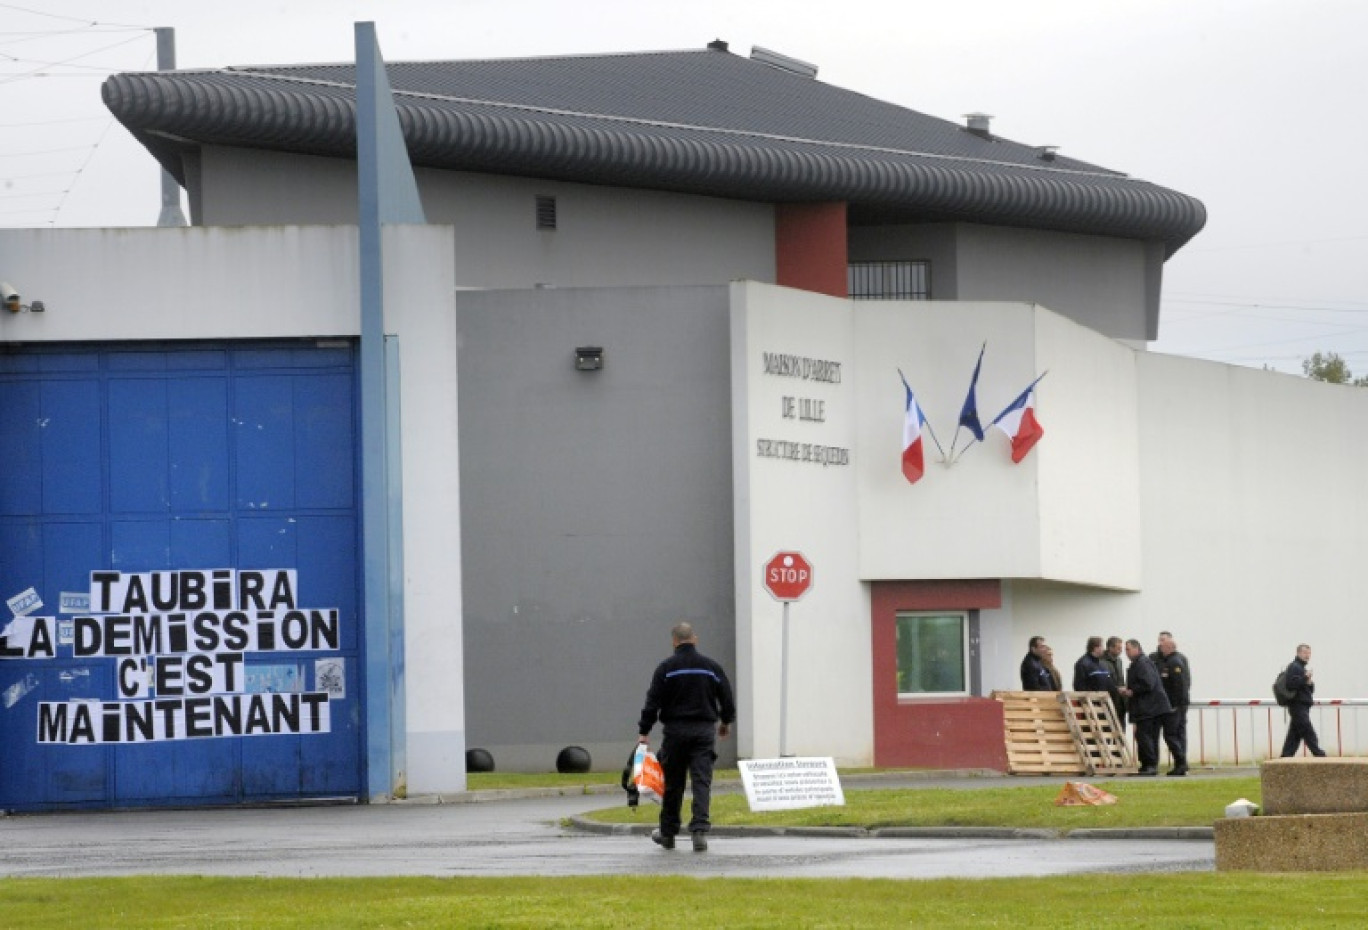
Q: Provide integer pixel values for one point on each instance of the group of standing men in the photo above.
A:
(1154, 692)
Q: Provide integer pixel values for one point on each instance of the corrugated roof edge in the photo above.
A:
(314, 117)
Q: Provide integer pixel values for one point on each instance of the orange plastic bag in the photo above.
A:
(1080, 794)
(647, 774)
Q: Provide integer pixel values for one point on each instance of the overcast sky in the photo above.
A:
(1254, 107)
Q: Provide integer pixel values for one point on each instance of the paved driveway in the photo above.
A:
(517, 837)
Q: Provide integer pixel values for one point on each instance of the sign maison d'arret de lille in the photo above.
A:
(795, 408)
(179, 642)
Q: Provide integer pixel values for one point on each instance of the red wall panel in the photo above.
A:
(810, 249)
(930, 732)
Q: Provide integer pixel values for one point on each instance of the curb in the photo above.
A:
(1144, 833)
(720, 786)
(917, 833)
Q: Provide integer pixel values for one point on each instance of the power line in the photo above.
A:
(54, 122)
(70, 19)
(55, 64)
(1275, 245)
(66, 61)
(72, 148)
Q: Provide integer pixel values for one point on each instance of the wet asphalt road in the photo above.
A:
(521, 837)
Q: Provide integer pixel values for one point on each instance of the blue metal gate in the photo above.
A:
(179, 557)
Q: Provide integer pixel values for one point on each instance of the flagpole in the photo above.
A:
(966, 449)
(927, 423)
(932, 431)
(969, 411)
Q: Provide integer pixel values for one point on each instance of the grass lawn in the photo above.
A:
(489, 781)
(1230, 900)
(1140, 803)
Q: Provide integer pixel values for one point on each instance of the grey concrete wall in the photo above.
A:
(1109, 285)
(596, 509)
(929, 242)
(606, 236)
(1100, 282)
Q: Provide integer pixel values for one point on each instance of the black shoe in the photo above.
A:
(700, 841)
(1147, 773)
(1178, 771)
(1319, 754)
(660, 839)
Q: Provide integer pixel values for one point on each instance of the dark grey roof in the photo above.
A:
(706, 122)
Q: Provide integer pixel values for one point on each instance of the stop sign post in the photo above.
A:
(787, 577)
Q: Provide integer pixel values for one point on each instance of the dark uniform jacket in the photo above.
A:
(688, 687)
(1176, 675)
(1118, 676)
(1034, 675)
(1147, 690)
(1092, 674)
(1296, 682)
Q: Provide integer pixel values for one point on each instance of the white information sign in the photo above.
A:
(791, 783)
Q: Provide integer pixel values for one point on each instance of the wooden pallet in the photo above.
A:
(1096, 730)
(1038, 736)
(1062, 733)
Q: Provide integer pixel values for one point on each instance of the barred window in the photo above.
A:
(889, 280)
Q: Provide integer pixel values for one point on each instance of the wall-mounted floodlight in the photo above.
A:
(588, 358)
(10, 299)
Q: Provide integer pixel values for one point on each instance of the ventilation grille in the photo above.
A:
(546, 212)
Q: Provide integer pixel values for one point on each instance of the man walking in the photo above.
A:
(1176, 675)
(1299, 728)
(1034, 675)
(1147, 704)
(1112, 658)
(692, 698)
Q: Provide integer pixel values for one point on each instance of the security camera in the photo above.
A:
(10, 297)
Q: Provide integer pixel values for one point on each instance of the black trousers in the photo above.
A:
(687, 752)
(1299, 730)
(1147, 741)
(1174, 726)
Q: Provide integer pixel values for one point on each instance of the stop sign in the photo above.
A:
(788, 576)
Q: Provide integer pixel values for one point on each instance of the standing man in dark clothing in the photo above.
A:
(1299, 728)
(692, 698)
(1176, 675)
(1112, 657)
(1034, 675)
(1091, 673)
(1147, 704)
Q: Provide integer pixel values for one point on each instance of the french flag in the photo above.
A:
(913, 461)
(1019, 422)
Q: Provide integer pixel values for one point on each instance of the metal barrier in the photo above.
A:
(1244, 732)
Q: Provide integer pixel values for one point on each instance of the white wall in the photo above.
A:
(605, 236)
(420, 308)
(1221, 503)
(295, 282)
(1068, 511)
(115, 284)
(1254, 532)
(782, 505)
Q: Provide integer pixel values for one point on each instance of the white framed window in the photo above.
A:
(933, 653)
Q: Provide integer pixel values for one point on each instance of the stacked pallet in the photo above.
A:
(1097, 732)
(1062, 733)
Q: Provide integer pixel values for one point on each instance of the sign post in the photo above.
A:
(788, 576)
